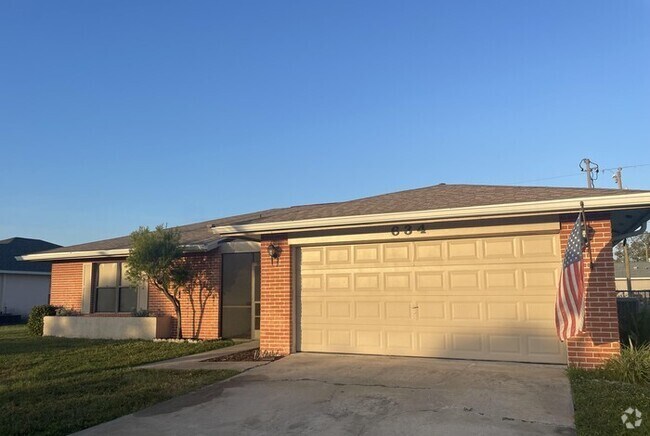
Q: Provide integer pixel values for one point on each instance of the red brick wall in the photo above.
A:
(600, 339)
(208, 266)
(276, 302)
(66, 284)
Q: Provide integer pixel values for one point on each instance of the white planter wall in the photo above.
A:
(100, 327)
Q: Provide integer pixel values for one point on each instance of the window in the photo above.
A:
(113, 291)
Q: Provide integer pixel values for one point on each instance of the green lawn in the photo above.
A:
(599, 404)
(58, 385)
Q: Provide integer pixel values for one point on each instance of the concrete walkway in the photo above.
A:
(198, 361)
(327, 394)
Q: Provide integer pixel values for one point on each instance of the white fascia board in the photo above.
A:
(602, 203)
(25, 273)
(98, 254)
(74, 255)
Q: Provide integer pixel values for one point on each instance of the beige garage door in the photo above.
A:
(483, 298)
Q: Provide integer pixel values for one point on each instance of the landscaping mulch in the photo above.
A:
(245, 356)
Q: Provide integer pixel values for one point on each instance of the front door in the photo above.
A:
(240, 295)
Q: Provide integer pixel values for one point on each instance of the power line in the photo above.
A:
(629, 166)
(579, 174)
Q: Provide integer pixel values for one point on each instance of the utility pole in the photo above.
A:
(626, 256)
(589, 170)
(618, 177)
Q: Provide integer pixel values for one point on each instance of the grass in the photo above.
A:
(600, 401)
(57, 385)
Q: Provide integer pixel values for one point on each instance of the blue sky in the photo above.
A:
(115, 114)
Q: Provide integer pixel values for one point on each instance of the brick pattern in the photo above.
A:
(207, 290)
(276, 298)
(600, 339)
(66, 284)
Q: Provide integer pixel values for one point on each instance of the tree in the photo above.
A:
(199, 291)
(638, 249)
(157, 256)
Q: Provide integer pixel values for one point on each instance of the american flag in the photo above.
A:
(570, 300)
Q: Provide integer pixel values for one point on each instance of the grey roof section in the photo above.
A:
(637, 269)
(191, 234)
(436, 197)
(440, 196)
(12, 247)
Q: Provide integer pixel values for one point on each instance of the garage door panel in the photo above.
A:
(338, 255)
(337, 282)
(367, 254)
(464, 249)
(482, 298)
(428, 251)
(397, 281)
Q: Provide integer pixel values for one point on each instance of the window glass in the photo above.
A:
(124, 276)
(113, 292)
(106, 300)
(128, 299)
(107, 275)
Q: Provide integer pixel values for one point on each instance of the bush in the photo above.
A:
(35, 322)
(141, 313)
(63, 311)
(632, 366)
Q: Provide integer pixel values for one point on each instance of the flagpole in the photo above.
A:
(586, 233)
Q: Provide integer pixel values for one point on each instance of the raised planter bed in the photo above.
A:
(107, 327)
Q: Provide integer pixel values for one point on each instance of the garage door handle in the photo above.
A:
(415, 307)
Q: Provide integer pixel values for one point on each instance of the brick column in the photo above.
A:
(600, 339)
(276, 302)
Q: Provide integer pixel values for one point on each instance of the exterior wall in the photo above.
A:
(638, 284)
(208, 266)
(66, 286)
(20, 292)
(67, 290)
(277, 299)
(600, 340)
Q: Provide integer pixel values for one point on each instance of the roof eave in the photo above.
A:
(102, 254)
(591, 204)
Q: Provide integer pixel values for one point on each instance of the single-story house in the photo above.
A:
(23, 285)
(456, 271)
(639, 276)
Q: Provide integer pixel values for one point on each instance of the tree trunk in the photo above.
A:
(179, 329)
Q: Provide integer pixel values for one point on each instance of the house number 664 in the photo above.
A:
(407, 229)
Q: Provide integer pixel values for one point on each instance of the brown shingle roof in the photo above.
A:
(429, 198)
(434, 197)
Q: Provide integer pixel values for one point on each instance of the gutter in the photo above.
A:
(25, 273)
(550, 207)
(99, 254)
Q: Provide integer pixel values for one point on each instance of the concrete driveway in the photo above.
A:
(342, 394)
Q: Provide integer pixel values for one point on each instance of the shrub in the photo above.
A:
(35, 321)
(632, 366)
(141, 313)
(64, 311)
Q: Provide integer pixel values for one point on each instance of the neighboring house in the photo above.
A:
(23, 285)
(639, 274)
(457, 271)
